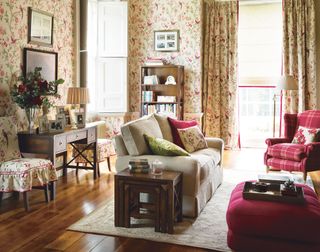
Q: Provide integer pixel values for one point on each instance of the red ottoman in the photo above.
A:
(270, 226)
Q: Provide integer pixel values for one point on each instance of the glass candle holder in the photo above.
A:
(157, 167)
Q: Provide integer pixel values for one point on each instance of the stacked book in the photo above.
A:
(147, 96)
(153, 62)
(139, 166)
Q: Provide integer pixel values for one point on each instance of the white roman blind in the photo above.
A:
(260, 42)
(108, 52)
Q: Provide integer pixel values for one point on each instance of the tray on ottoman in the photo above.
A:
(272, 194)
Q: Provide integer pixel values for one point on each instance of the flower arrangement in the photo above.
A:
(33, 90)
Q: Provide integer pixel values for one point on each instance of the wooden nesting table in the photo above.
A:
(164, 204)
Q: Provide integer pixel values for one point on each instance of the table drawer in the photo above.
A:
(60, 144)
(92, 135)
(76, 136)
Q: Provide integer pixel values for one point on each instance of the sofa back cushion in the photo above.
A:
(133, 132)
(164, 126)
(9, 146)
(178, 124)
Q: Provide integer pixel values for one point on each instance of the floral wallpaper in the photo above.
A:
(13, 38)
(146, 16)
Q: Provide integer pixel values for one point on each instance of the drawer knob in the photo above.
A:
(76, 136)
(60, 143)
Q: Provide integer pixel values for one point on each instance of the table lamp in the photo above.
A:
(77, 96)
(286, 82)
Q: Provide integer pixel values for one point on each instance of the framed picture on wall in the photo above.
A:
(166, 40)
(48, 61)
(40, 27)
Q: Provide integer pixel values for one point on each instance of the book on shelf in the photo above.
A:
(150, 80)
(168, 109)
(166, 98)
(154, 61)
(147, 96)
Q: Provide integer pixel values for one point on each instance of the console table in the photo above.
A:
(55, 144)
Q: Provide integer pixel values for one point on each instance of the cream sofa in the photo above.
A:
(202, 170)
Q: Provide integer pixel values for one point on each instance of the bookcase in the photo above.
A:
(157, 96)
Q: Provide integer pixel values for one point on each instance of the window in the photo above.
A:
(260, 45)
(107, 55)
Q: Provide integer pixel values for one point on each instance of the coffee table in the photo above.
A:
(164, 204)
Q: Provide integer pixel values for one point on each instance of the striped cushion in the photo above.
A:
(288, 151)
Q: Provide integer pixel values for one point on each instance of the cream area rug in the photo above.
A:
(208, 231)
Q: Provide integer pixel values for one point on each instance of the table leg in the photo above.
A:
(127, 206)
(170, 201)
(180, 199)
(46, 192)
(95, 160)
(26, 200)
(52, 187)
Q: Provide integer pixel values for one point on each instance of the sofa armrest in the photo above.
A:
(313, 149)
(217, 143)
(273, 141)
(119, 145)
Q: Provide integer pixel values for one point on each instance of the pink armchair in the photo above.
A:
(281, 154)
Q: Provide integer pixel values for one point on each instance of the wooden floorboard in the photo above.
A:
(43, 228)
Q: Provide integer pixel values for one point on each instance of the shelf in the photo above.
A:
(162, 66)
(152, 85)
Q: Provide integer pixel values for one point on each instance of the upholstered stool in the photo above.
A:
(105, 150)
(271, 226)
(24, 174)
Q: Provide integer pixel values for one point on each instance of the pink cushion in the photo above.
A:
(287, 151)
(286, 165)
(275, 220)
(178, 124)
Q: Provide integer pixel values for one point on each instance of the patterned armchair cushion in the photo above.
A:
(105, 149)
(306, 135)
(9, 147)
(192, 139)
(287, 151)
(24, 173)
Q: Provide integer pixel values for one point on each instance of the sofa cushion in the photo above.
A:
(178, 124)
(192, 139)
(207, 158)
(162, 147)
(9, 146)
(305, 135)
(287, 151)
(132, 134)
(164, 126)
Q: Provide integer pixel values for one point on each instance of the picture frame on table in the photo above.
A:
(60, 110)
(80, 119)
(40, 27)
(62, 117)
(56, 126)
(43, 124)
(166, 40)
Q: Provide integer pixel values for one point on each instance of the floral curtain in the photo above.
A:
(220, 54)
(299, 57)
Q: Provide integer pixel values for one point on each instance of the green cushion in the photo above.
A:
(162, 147)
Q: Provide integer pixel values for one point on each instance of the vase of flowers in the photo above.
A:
(32, 92)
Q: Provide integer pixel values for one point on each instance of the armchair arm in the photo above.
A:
(313, 149)
(273, 141)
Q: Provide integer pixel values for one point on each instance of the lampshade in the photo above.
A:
(287, 83)
(78, 95)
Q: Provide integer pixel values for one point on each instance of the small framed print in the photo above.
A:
(40, 27)
(56, 126)
(80, 119)
(43, 124)
(60, 110)
(62, 117)
(166, 40)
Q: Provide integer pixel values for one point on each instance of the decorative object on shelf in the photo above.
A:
(43, 124)
(40, 27)
(150, 80)
(80, 119)
(56, 126)
(47, 61)
(166, 40)
(170, 80)
(31, 93)
(284, 83)
(77, 96)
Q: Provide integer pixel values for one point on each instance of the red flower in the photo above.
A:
(43, 85)
(22, 88)
(37, 101)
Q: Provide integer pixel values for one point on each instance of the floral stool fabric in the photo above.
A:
(105, 150)
(22, 174)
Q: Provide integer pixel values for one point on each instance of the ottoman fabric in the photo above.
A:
(272, 220)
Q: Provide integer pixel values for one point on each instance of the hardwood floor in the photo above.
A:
(44, 227)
